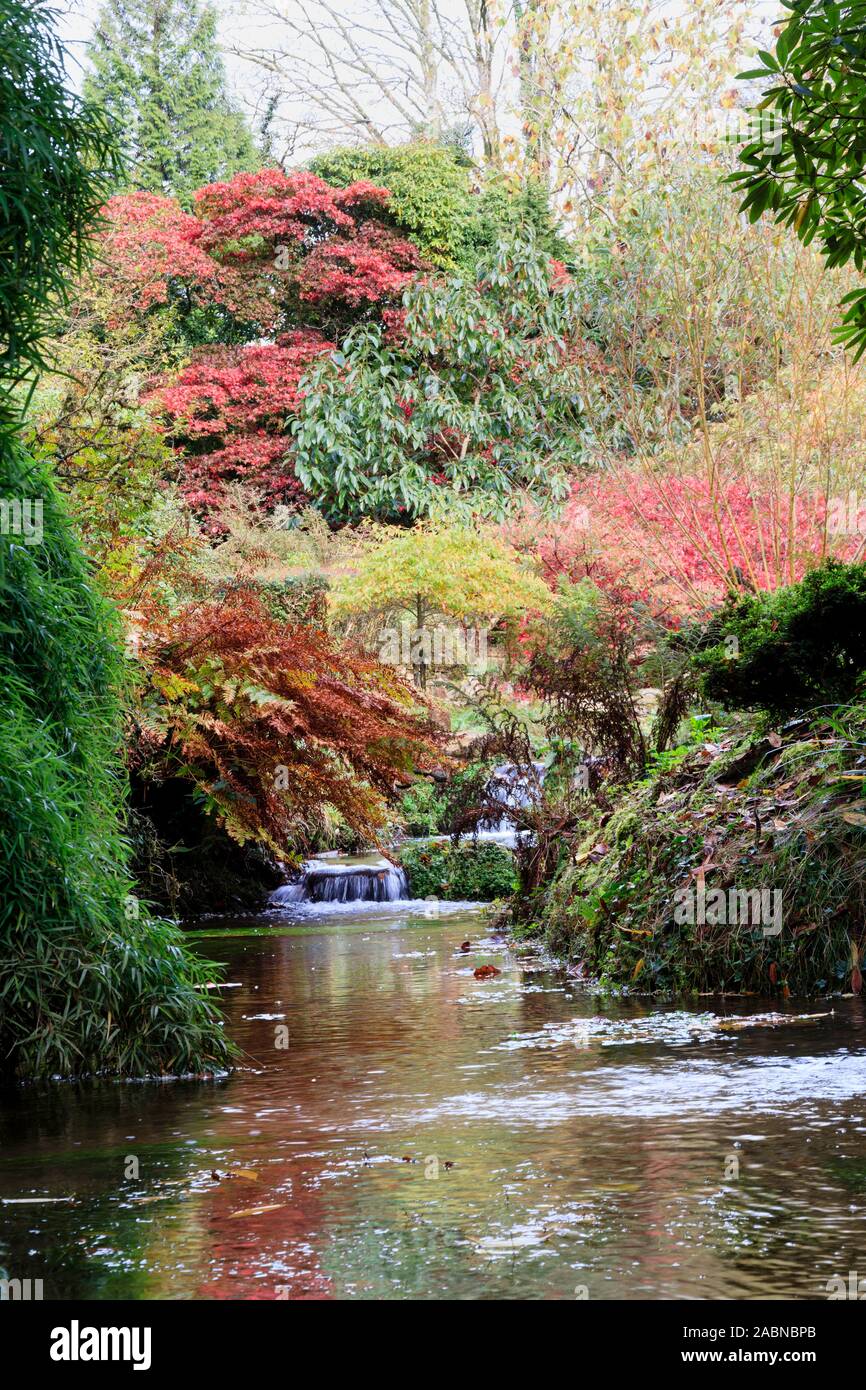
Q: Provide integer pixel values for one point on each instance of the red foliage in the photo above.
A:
(677, 545)
(296, 234)
(256, 245)
(262, 246)
(229, 408)
(149, 244)
(270, 719)
(274, 207)
(372, 266)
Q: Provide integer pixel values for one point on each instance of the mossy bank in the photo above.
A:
(742, 869)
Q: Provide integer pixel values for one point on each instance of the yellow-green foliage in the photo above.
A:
(470, 574)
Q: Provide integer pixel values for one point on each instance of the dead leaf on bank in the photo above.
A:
(774, 739)
(854, 817)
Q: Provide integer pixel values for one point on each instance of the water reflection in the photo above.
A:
(427, 1134)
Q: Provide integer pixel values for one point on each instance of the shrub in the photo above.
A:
(430, 192)
(422, 809)
(466, 872)
(793, 649)
(433, 203)
(472, 392)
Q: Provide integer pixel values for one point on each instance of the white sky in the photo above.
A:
(238, 22)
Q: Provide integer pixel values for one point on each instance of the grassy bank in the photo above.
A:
(653, 894)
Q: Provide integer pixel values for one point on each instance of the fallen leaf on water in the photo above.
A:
(486, 972)
(466, 945)
(258, 1211)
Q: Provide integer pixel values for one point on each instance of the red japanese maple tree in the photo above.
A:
(290, 259)
(231, 407)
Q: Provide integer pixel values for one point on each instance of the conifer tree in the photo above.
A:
(157, 70)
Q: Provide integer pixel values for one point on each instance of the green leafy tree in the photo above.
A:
(797, 649)
(475, 391)
(469, 575)
(805, 165)
(430, 186)
(56, 157)
(157, 71)
(89, 981)
(434, 200)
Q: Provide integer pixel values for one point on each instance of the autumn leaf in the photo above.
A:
(257, 1211)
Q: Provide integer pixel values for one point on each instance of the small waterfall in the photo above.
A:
(510, 788)
(342, 883)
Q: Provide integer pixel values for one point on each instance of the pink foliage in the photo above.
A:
(373, 266)
(274, 207)
(148, 242)
(677, 545)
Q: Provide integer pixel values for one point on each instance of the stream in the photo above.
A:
(400, 1129)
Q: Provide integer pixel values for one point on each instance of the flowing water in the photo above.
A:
(401, 1129)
